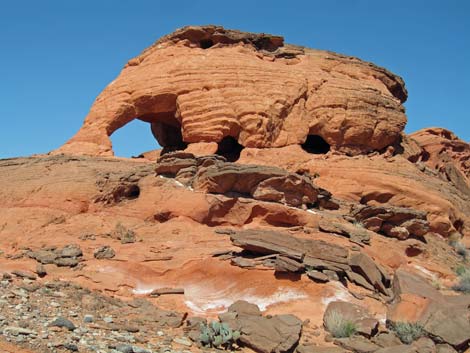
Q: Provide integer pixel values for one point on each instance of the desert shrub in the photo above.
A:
(358, 224)
(339, 326)
(460, 249)
(408, 332)
(460, 270)
(218, 335)
(463, 284)
(436, 284)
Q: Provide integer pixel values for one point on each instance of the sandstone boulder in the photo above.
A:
(360, 316)
(354, 232)
(365, 266)
(446, 318)
(265, 334)
(357, 344)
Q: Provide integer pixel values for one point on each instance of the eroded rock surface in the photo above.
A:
(447, 154)
(295, 254)
(212, 174)
(397, 222)
(446, 318)
(250, 87)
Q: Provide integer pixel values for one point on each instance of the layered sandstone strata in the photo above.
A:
(207, 84)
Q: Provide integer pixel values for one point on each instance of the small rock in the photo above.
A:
(317, 276)
(242, 262)
(24, 274)
(71, 251)
(108, 319)
(183, 341)
(88, 318)
(71, 347)
(63, 322)
(162, 291)
(66, 262)
(15, 331)
(104, 252)
(357, 344)
(41, 270)
(140, 350)
(125, 348)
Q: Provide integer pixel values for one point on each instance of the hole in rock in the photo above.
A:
(126, 192)
(133, 139)
(206, 43)
(458, 225)
(229, 148)
(425, 156)
(412, 251)
(315, 144)
(133, 191)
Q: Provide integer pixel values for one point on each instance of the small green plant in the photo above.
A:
(217, 335)
(358, 223)
(436, 284)
(461, 250)
(408, 332)
(339, 326)
(460, 270)
(454, 241)
(463, 284)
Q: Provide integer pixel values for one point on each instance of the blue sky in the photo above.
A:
(56, 56)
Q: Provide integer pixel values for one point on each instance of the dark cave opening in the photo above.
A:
(206, 43)
(315, 144)
(167, 131)
(229, 148)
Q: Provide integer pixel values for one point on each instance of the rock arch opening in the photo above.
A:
(133, 139)
(315, 144)
(229, 148)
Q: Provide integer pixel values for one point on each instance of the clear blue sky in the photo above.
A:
(57, 55)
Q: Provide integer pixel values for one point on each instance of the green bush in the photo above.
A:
(217, 335)
(338, 326)
(460, 249)
(463, 284)
(408, 332)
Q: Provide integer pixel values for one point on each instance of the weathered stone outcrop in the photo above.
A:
(445, 153)
(355, 232)
(213, 174)
(204, 84)
(397, 222)
(444, 318)
(296, 254)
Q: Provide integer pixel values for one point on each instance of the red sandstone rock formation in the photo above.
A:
(447, 154)
(327, 198)
(204, 84)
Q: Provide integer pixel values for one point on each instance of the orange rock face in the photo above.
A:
(204, 84)
(447, 154)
